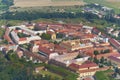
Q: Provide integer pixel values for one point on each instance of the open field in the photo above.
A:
(114, 2)
(53, 75)
(104, 75)
(35, 3)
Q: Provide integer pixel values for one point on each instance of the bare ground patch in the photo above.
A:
(34, 3)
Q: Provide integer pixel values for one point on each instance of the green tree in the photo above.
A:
(96, 60)
(106, 51)
(96, 52)
(46, 36)
(102, 60)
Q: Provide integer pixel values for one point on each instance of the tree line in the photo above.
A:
(26, 15)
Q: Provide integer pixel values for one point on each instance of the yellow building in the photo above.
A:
(71, 45)
(52, 34)
(85, 69)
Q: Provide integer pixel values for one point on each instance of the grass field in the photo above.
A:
(115, 4)
(35, 3)
(104, 75)
(53, 75)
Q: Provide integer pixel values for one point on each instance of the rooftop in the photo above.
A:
(84, 65)
(45, 50)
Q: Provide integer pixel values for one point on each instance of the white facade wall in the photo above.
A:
(33, 38)
(15, 36)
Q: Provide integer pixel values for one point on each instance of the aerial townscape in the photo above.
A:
(59, 40)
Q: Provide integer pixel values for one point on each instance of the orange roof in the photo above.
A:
(22, 39)
(45, 50)
(88, 78)
(37, 42)
(85, 65)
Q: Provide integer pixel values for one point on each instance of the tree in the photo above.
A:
(109, 63)
(46, 36)
(96, 60)
(102, 60)
(106, 51)
(60, 35)
(96, 52)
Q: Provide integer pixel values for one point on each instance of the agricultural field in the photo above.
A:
(36, 3)
(116, 3)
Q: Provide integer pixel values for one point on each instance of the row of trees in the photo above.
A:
(102, 62)
(101, 52)
(26, 15)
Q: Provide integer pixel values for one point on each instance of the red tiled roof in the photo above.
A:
(96, 30)
(106, 55)
(114, 58)
(114, 42)
(45, 50)
(85, 65)
(22, 39)
(6, 36)
(88, 78)
(59, 47)
(94, 70)
(36, 56)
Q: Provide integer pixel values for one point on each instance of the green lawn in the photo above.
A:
(53, 75)
(2, 31)
(104, 75)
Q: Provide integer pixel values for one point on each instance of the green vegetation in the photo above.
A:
(101, 52)
(67, 75)
(46, 36)
(26, 46)
(60, 35)
(53, 75)
(96, 52)
(2, 31)
(10, 22)
(21, 35)
(13, 68)
(105, 3)
(5, 4)
(4, 42)
(104, 75)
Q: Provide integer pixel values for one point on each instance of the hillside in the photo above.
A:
(115, 4)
